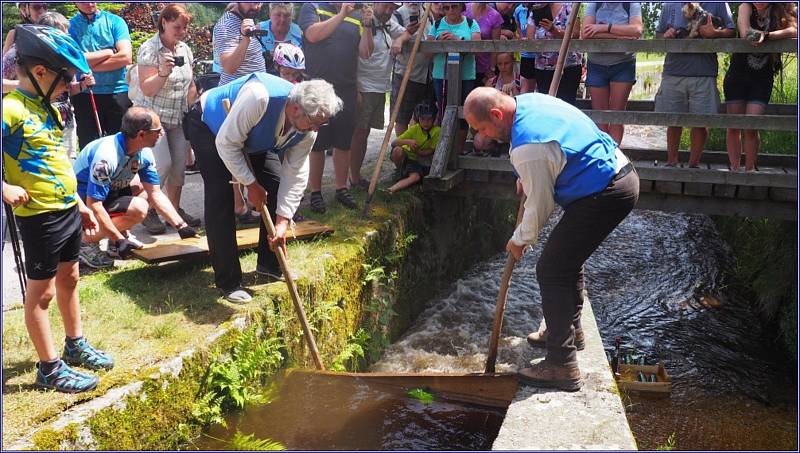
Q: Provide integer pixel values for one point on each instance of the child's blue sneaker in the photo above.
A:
(65, 379)
(80, 352)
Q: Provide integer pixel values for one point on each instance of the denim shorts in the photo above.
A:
(598, 75)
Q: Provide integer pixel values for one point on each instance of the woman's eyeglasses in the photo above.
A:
(449, 7)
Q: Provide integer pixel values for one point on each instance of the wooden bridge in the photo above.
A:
(771, 191)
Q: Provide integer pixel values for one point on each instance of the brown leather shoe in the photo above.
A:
(538, 339)
(552, 375)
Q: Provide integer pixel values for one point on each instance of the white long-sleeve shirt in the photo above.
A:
(538, 166)
(251, 104)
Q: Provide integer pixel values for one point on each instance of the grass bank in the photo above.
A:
(361, 286)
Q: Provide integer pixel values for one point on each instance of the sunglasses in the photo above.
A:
(449, 7)
(158, 130)
(37, 6)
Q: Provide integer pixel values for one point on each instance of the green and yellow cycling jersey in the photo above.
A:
(34, 157)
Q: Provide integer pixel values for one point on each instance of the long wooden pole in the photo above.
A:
(280, 253)
(500, 304)
(373, 183)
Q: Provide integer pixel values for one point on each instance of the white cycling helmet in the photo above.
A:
(289, 55)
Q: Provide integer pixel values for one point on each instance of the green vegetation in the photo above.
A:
(668, 445)
(421, 395)
(250, 442)
(765, 271)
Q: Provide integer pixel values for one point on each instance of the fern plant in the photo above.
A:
(352, 353)
(250, 442)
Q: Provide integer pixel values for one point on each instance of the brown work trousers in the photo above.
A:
(583, 227)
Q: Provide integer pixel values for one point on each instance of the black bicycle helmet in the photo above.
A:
(55, 50)
(425, 109)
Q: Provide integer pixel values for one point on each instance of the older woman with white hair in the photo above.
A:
(274, 123)
(279, 29)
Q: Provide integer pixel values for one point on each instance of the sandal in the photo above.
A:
(317, 202)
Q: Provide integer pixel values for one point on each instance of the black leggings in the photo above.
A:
(110, 109)
(567, 89)
(583, 227)
(218, 204)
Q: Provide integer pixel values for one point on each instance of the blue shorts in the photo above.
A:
(598, 75)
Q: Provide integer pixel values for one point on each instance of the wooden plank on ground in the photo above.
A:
(175, 250)
(699, 189)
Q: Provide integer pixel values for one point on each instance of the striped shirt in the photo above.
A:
(227, 35)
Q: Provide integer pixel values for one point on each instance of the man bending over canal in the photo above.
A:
(561, 157)
(275, 123)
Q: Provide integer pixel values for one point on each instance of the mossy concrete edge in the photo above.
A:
(154, 411)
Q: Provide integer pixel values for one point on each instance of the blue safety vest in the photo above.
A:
(590, 152)
(262, 136)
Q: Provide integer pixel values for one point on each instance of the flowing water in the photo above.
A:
(656, 281)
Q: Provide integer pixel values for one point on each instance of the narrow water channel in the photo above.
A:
(656, 281)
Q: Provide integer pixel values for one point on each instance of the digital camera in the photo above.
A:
(179, 60)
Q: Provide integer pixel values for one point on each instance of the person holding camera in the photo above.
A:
(166, 85)
(549, 21)
(236, 42)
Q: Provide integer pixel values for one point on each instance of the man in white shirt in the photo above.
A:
(560, 156)
(275, 123)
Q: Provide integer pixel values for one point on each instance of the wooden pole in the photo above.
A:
(500, 304)
(280, 253)
(373, 183)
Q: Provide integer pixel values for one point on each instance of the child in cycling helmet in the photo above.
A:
(412, 150)
(40, 185)
(290, 62)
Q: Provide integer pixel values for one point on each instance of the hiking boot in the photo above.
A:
(80, 352)
(65, 379)
(91, 255)
(274, 275)
(152, 223)
(538, 339)
(552, 375)
(344, 197)
(193, 222)
(238, 296)
(317, 202)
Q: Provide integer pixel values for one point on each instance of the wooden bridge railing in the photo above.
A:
(711, 189)
(726, 45)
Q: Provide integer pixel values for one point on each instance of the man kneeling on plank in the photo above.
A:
(105, 169)
(560, 156)
(274, 122)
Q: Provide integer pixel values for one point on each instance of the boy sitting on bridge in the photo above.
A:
(412, 150)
